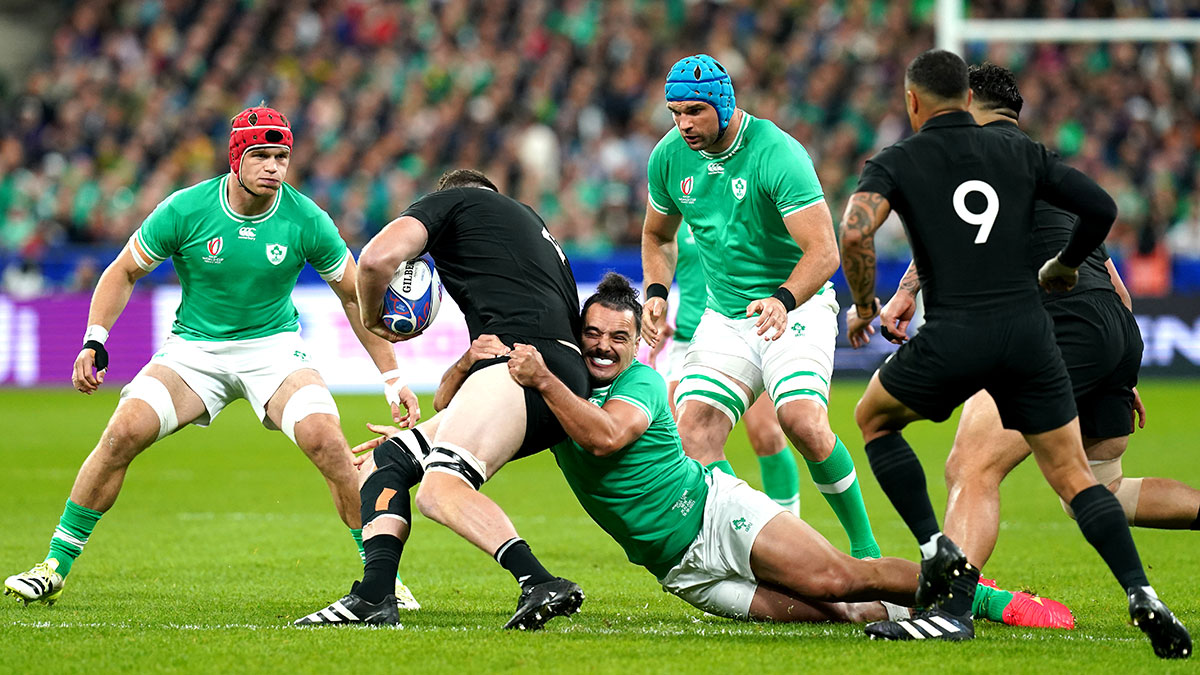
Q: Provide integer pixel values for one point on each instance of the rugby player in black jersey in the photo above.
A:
(511, 279)
(1102, 348)
(966, 196)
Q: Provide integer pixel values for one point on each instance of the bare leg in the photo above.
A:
(984, 453)
(703, 429)
(133, 428)
(772, 603)
(806, 423)
(320, 437)
(487, 418)
(1162, 503)
(762, 428)
(790, 554)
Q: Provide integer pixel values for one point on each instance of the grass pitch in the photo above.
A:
(223, 536)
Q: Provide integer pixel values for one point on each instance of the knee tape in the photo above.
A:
(385, 493)
(1128, 492)
(456, 461)
(155, 394)
(714, 388)
(308, 400)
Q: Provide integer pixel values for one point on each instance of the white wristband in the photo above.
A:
(390, 375)
(96, 332)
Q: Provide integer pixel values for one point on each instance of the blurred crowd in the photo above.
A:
(559, 102)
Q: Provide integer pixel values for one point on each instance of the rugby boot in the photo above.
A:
(353, 609)
(939, 572)
(541, 602)
(930, 624)
(41, 584)
(1167, 634)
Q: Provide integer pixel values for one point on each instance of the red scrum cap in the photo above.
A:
(257, 127)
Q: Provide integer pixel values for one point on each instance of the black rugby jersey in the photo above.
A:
(498, 261)
(966, 197)
(1051, 231)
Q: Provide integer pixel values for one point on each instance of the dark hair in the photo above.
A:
(464, 178)
(939, 72)
(615, 292)
(995, 88)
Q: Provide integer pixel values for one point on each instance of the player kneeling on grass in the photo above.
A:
(708, 537)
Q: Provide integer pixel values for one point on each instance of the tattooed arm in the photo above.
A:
(865, 212)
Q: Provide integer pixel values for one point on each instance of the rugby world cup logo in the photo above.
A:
(686, 185)
(215, 245)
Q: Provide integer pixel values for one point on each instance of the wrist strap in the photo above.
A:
(101, 360)
(389, 375)
(96, 333)
(656, 291)
(785, 296)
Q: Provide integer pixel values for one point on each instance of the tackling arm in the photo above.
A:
(865, 212)
(401, 240)
(599, 431)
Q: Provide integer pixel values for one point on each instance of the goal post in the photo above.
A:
(954, 29)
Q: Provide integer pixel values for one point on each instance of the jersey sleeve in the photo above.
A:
(159, 236)
(656, 180)
(876, 177)
(643, 388)
(327, 251)
(436, 211)
(791, 179)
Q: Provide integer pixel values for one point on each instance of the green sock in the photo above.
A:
(356, 535)
(722, 465)
(990, 603)
(71, 536)
(836, 479)
(781, 479)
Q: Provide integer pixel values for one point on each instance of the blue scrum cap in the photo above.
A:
(703, 78)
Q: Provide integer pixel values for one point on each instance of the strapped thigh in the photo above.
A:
(154, 393)
(714, 388)
(310, 399)
(456, 461)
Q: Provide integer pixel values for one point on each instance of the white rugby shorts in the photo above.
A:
(222, 372)
(670, 361)
(797, 366)
(714, 575)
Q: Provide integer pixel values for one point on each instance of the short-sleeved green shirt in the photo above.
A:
(735, 203)
(648, 496)
(238, 272)
(693, 291)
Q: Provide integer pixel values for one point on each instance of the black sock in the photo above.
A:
(899, 473)
(1103, 523)
(379, 574)
(514, 555)
(963, 588)
(1196, 522)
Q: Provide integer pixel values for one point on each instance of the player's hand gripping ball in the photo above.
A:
(413, 297)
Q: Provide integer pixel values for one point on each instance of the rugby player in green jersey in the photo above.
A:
(780, 479)
(707, 536)
(766, 241)
(238, 243)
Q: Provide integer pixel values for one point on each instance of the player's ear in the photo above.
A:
(910, 97)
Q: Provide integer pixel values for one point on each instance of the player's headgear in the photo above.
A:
(703, 78)
(258, 127)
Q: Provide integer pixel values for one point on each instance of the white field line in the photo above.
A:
(709, 629)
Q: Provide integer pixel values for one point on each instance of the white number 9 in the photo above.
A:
(987, 217)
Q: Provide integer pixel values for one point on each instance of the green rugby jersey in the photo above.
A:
(735, 202)
(648, 496)
(238, 272)
(693, 291)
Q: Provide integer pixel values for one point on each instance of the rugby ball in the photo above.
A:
(413, 297)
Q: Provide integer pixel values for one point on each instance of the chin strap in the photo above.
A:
(238, 175)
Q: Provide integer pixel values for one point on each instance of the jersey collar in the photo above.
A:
(228, 208)
(958, 118)
(738, 141)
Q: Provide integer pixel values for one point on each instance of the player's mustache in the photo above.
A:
(600, 353)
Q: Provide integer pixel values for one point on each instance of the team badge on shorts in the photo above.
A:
(739, 187)
(276, 253)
